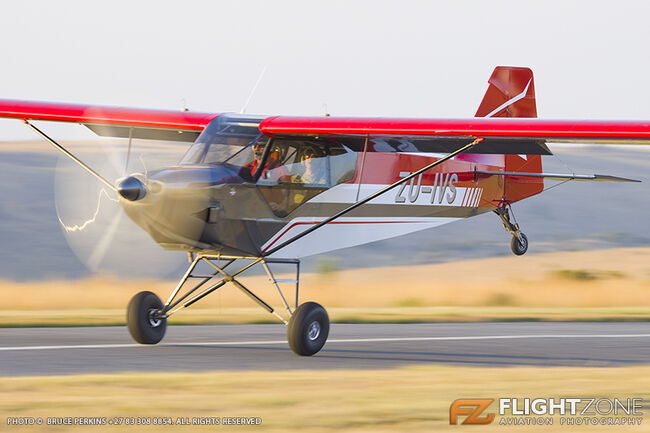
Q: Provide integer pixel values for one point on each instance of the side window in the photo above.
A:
(277, 167)
(297, 170)
(311, 167)
(343, 164)
(310, 163)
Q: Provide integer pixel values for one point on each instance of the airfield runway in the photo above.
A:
(51, 351)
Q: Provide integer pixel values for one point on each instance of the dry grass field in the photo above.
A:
(586, 285)
(414, 399)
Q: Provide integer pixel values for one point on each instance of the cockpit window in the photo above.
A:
(296, 170)
(225, 140)
(308, 162)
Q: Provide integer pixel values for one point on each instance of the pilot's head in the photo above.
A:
(258, 150)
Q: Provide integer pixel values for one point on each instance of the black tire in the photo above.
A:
(142, 326)
(519, 248)
(308, 329)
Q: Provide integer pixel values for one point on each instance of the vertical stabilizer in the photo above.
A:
(511, 93)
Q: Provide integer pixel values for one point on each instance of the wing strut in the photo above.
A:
(373, 196)
(71, 156)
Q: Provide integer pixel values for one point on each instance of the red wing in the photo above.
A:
(114, 121)
(503, 128)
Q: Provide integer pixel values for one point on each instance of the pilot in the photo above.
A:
(247, 171)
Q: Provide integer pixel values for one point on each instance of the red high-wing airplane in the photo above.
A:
(274, 189)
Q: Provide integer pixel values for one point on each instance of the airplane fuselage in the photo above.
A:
(216, 206)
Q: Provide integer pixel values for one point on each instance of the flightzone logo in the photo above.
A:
(547, 411)
(471, 408)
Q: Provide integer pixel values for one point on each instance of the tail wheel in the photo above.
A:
(519, 247)
(308, 329)
(143, 322)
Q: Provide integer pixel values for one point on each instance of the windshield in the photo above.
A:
(226, 139)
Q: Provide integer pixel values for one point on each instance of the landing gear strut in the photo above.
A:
(519, 242)
(308, 323)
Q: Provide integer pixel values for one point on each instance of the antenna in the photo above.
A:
(250, 96)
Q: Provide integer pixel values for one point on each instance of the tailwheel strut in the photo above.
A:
(307, 324)
(519, 242)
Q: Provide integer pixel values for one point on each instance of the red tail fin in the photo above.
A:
(511, 93)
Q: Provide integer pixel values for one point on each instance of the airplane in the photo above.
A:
(269, 190)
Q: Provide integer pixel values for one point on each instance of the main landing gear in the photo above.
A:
(308, 329)
(308, 324)
(519, 242)
(145, 324)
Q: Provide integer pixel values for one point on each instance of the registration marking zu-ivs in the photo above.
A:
(444, 191)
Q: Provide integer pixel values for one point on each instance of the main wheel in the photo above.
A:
(518, 247)
(144, 326)
(308, 329)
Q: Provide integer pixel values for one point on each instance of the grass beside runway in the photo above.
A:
(413, 399)
(211, 316)
(587, 285)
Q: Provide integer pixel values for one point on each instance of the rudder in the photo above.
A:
(511, 93)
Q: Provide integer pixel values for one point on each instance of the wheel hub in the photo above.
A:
(154, 320)
(313, 331)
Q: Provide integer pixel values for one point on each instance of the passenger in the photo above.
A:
(314, 169)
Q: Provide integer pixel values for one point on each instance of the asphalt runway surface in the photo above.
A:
(52, 351)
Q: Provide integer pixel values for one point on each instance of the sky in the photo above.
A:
(359, 58)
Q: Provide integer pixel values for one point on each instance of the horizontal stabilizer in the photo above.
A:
(556, 176)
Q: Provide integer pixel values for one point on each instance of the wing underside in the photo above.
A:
(431, 144)
(139, 132)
